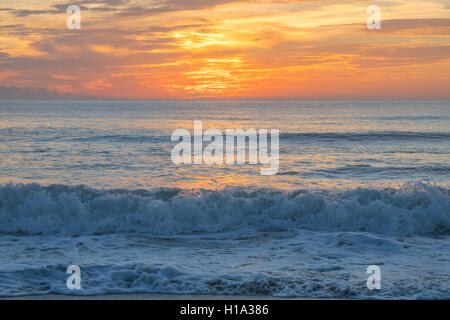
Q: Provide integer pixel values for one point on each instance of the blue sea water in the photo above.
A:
(92, 183)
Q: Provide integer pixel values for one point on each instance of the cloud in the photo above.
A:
(28, 93)
(166, 6)
(129, 7)
(420, 26)
(27, 12)
(60, 8)
(206, 47)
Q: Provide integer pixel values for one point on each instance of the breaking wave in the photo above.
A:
(368, 136)
(33, 209)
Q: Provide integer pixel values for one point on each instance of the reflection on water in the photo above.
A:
(323, 144)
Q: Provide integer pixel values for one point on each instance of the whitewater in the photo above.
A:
(90, 183)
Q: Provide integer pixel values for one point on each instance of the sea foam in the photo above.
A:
(33, 209)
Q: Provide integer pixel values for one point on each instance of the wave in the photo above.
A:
(367, 136)
(79, 134)
(408, 118)
(33, 209)
(167, 279)
(364, 169)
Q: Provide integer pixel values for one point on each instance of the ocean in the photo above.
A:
(92, 184)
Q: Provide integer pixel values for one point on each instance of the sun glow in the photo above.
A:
(232, 49)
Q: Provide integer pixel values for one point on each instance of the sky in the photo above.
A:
(189, 49)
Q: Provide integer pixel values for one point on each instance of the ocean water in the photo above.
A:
(92, 183)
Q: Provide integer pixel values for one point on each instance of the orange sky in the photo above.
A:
(148, 49)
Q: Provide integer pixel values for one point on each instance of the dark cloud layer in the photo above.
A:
(27, 93)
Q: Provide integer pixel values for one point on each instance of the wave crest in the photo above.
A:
(32, 209)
